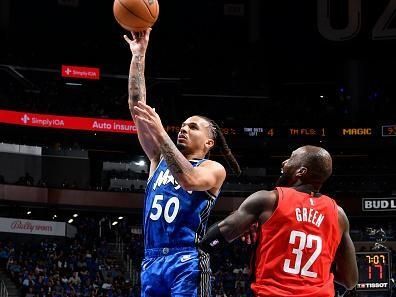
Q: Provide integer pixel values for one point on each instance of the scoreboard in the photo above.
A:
(304, 132)
(374, 271)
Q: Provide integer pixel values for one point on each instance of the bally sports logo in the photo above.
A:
(30, 227)
(379, 204)
(21, 226)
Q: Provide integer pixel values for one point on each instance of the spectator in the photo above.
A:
(30, 292)
(75, 279)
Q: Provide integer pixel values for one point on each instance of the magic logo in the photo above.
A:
(164, 178)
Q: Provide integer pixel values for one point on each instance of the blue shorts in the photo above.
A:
(175, 272)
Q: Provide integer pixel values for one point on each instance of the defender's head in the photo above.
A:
(306, 165)
(196, 136)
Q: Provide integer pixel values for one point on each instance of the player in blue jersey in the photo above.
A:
(181, 190)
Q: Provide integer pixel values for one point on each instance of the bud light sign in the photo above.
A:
(379, 204)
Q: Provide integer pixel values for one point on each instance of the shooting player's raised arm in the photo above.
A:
(137, 92)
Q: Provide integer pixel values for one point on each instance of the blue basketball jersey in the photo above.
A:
(174, 217)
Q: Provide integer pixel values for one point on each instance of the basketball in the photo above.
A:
(136, 15)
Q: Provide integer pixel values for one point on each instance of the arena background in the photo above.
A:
(275, 74)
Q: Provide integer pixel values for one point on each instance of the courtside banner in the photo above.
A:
(379, 204)
(32, 227)
(66, 122)
(80, 72)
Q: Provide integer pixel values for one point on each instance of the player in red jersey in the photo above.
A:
(301, 232)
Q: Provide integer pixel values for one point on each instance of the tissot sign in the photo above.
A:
(379, 204)
(64, 122)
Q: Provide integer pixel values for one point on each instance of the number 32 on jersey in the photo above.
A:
(306, 241)
(157, 209)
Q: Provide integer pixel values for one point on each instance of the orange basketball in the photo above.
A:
(136, 15)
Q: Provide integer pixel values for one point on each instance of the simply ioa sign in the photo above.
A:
(379, 204)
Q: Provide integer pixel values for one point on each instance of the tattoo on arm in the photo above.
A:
(136, 83)
(177, 163)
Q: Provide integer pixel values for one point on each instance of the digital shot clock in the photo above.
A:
(374, 271)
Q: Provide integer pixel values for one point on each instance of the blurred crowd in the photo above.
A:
(94, 265)
(83, 266)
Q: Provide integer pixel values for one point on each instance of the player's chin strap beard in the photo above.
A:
(181, 147)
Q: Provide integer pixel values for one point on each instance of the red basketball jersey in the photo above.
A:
(296, 247)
